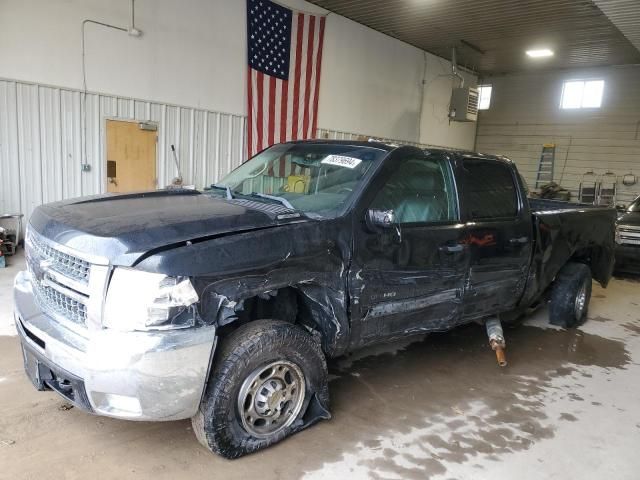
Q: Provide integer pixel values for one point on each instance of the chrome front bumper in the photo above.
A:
(130, 375)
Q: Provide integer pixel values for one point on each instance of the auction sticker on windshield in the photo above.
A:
(341, 161)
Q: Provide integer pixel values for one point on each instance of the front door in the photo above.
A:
(498, 236)
(408, 277)
(131, 157)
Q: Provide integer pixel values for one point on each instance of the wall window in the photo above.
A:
(484, 96)
(582, 94)
(488, 190)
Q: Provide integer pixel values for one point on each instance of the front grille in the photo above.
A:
(63, 263)
(60, 280)
(56, 302)
(628, 234)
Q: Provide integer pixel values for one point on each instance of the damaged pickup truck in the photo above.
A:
(222, 305)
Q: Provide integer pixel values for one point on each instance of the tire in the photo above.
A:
(570, 296)
(250, 384)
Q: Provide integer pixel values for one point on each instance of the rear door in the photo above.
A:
(498, 235)
(409, 277)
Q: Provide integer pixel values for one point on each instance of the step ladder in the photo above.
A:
(545, 165)
(608, 189)
(589, 188)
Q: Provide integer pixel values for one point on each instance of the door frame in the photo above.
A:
(104, 181)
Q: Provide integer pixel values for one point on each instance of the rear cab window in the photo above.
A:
(488, 190)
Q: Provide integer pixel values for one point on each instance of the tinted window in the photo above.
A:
(488, 190)
(419, 191)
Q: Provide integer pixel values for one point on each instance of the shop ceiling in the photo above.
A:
(492, 36)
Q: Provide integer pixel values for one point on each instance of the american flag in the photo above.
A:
(285, 55)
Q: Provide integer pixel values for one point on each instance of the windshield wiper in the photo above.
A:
(225, 188)
(282, 200)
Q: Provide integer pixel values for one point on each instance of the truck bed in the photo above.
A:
(566, 231)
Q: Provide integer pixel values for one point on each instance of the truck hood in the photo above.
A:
(122, 228)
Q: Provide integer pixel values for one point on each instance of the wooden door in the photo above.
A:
(131, 157)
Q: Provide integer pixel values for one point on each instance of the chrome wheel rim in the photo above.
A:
(271, 398)
(581, 301)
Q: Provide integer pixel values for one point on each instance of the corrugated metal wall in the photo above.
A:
(41, 142)
(525, 114)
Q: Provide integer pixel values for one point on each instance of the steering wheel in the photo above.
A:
(345, 190)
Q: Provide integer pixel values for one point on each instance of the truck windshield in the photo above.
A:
(313, 178)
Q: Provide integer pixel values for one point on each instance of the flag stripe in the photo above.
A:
(250, 112)
(314, 125)
(303, 69)
(312, 83)
(307, 84)
(271, 125)
(254, 124)
(296, 78)
(292, 63)
(283, 110)
(260, 89)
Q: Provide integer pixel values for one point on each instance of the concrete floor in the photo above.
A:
(567, 406)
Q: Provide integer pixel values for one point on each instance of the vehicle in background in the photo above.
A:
(223, 305)
(628, 239)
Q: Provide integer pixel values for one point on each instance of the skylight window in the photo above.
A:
(582, 94)
(484, 96)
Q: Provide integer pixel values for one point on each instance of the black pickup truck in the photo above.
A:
(222, 305)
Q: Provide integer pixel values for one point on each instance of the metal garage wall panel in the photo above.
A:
(51, 144)
(71, 143)
(42, 152)
(9, 164)
(525, 113)
(28, 126)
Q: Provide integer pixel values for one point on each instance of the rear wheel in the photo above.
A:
(265, 376)
(570, 296)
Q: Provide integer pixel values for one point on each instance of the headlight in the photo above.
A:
(618, 239)
(139, 300)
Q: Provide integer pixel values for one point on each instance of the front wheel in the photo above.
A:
(570, 295)
(266, 374)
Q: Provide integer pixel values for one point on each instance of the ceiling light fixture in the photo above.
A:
(539, 53)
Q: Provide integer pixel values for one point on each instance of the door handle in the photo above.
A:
(452, 248)
(519, 240)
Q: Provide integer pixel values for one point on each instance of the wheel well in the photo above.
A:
(597, 260)
(284, 304)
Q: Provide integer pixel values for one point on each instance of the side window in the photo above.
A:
(488, 190)
(419, 191)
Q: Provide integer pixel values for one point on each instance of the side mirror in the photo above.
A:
(379, 219)
(621, 208)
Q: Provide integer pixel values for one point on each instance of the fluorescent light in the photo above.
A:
(543, 52)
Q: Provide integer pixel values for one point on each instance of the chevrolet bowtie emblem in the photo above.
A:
(45, 264)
